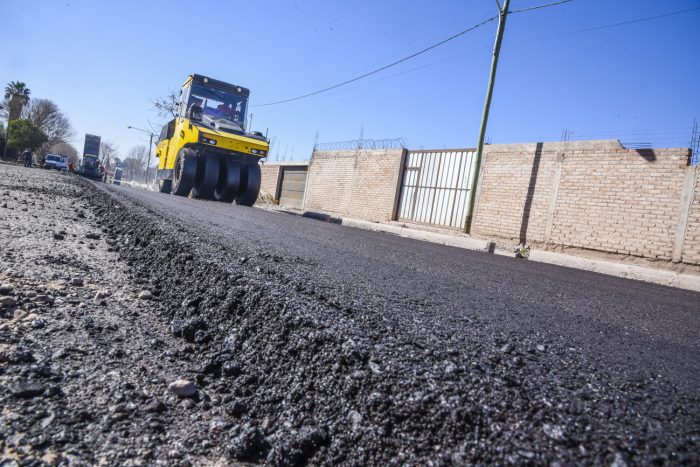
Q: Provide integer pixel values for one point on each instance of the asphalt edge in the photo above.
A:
(610, 268)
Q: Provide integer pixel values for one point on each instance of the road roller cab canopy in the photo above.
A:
(223, 106)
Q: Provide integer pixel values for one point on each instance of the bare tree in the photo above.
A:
(135, 163)
(46, 115)
(166, 106)
(109, 154)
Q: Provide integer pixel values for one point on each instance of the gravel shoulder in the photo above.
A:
(131, 336)
(84, 362)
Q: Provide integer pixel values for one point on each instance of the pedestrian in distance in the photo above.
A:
(27, 155)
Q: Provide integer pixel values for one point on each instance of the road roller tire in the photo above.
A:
(250, 186)
(165, 186)
(229, 180)
(185, 172)
(207, 177)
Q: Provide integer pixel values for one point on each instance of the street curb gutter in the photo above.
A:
(611, 268)
(428, 236)
(628, 271)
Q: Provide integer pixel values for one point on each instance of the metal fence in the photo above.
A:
(436, 187)
(292, 186)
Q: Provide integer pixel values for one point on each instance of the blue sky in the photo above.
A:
(103, 62)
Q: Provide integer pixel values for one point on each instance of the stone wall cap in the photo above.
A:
(557, 146)
(285, 163)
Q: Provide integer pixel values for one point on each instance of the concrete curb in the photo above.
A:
(458, 240)
(611, 268)
(465, 242)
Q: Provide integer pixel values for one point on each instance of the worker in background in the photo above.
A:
(71, 167)
(27, 155)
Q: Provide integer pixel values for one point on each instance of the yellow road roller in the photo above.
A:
(206, 151)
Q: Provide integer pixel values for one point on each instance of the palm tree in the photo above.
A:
(18, 95)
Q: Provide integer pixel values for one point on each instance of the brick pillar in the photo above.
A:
(553, 197)
(684, 206)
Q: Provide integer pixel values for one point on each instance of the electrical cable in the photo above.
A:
(622, 23)
(420, 52)
(366, 83)
(459, 34)
(373, 72)
(539, 6)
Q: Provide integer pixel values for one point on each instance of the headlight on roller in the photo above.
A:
(259, 152)
(207, 139)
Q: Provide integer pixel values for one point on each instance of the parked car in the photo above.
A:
(56, 161)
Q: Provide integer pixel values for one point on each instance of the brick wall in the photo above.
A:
(268, 183)
(691, 244)
(590, 195)
(361, 184)
(514, 193)
(621, 201)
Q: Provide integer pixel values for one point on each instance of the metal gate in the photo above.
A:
(292, 186)
(436, 186)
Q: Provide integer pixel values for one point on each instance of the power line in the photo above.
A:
(373, 72)
(384, 78)
(420, 52)
(623, 23)
(520, 41)
(540, 6)
(595, 28)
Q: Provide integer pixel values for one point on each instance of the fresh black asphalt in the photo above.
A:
(355, 347)
(429, 289)
(301, 342)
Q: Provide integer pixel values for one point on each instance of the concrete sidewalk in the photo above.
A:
(461, 240)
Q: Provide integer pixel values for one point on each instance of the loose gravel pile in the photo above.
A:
(128, 338)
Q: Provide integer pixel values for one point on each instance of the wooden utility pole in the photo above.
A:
(502, 15)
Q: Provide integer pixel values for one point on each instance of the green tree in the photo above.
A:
(18, 95)
(23, 134)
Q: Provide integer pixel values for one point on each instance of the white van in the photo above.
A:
(56, 161)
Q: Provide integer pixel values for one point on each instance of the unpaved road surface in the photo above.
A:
(305, 342)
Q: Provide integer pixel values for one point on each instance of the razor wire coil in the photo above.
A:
(358, 144)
